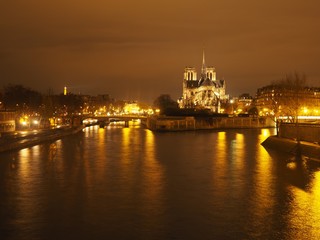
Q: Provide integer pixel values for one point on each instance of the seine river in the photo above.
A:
(131, 183)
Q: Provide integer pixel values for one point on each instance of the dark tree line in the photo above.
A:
(26, 100)
(165, 103)
(19, 97)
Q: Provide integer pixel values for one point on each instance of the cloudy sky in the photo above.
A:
(137, 50)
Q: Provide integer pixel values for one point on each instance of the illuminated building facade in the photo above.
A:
(272, 100)
(205, 92)
(7, 121)
(241, 104)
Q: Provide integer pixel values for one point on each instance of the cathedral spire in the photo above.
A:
(203, 69)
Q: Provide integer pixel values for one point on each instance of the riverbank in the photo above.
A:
(190, 123)
(307, 149)
(12, 143)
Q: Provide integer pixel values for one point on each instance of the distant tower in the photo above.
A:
(65, 91)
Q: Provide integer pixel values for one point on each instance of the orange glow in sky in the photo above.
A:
(138, 49)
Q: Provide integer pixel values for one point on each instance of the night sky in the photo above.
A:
(137, 50)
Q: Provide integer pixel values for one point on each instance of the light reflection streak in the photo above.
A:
(96, 167)
(220, 163)
(126, 142)
(29, 183)
(262, 202)
(152, 184)
(129, 151)
(90, 131)
(24, 162)
(304, 211)
(315, 205)
(146, 184)
(153, 171)
(238, 151)
(102, 141)
(265, 133)
(221, 148)
(35, 150)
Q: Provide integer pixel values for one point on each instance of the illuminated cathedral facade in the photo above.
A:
(204, 92)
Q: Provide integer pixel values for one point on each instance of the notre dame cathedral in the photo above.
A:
(205, 92)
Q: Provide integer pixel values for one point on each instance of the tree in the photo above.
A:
(21, 98)
(70, 103)
(50, 104)
(290, 94)
(253, 111)
(165, 103)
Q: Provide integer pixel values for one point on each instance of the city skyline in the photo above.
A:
(139, 50)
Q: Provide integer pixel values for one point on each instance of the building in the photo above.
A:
(276, 100)
(7, 121)
(244, 102)
(205, 92)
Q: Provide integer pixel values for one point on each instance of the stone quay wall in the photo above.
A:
(303, 131)
(166, 123)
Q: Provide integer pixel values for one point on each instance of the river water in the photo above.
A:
(131, 183)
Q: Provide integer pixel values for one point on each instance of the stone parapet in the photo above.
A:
(166, 123)
(303, 131)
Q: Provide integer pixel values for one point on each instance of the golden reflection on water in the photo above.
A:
(262, 197)
(263, 166)
(35, 150)
(102, 144)
(89, 131)
(24, 162)
(135, 147)
(304, 211)
(130, 151)
(153, 173)
(92, 152)
(142, 173)
(315, 205)
(153, 184)
(26, 156)
(238, 151)
(27, 160)
(29, 175)
(126, 144)
(142, 178)
(221, 162)
(265, 133)
(222, 148)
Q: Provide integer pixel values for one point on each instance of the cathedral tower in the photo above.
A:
(211, 73)
(190, 74)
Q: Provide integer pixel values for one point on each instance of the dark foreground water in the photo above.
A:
(131, 183)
